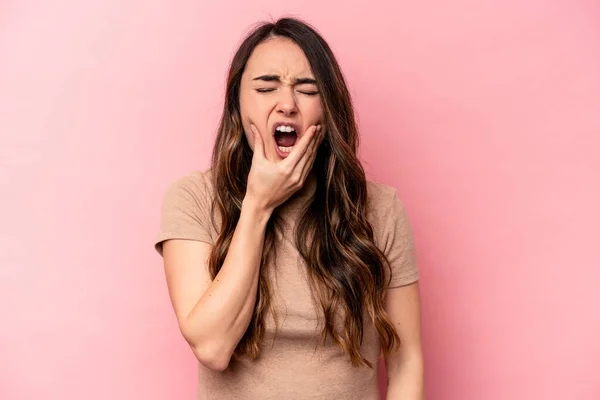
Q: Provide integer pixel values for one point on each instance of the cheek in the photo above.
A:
(314, 110)
(246, 114)
(244, 104)
(249, 137)
(253, 109)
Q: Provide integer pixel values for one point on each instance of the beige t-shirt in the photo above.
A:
(293, 364)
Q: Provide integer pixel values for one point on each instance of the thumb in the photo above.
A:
(258, 143)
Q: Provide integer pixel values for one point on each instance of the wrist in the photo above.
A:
(256, 209)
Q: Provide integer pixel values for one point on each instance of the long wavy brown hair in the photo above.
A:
(347, 272)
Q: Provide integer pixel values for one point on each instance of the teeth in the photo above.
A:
(284, 128)
(285, 149)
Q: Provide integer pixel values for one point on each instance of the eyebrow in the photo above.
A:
(276, 78)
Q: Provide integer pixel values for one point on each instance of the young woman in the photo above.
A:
(288, 271)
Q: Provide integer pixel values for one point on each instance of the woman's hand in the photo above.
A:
(271, 183)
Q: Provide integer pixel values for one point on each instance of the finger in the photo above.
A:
(319, 136)
(310, 152)
(314, 144)
(300, 148)
(259, 149)
(307, 161)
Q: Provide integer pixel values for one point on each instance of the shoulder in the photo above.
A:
(185, 211)
(197, 180)
(191, 193)
(379, 192)
(386, 211)
(381, 198)
(196, 184)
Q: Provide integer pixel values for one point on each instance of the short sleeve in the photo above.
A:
(185, 212)
(399, 245)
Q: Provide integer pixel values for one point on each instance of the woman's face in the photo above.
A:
(278, 87)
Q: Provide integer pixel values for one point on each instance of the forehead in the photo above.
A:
(278, 56)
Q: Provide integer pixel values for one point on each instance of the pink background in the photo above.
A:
(484, 114)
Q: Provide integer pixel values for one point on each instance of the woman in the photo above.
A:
(288, 271)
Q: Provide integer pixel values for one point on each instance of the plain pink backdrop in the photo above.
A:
(484, 114)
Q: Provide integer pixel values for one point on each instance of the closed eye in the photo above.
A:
(261, 90)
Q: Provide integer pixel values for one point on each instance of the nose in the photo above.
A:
(286, 103)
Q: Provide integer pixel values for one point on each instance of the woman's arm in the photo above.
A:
(214, 314)
(405, 364)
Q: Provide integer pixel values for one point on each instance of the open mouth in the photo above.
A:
(285, 138)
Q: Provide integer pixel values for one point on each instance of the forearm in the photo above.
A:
(405, 381)
(219, 319)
